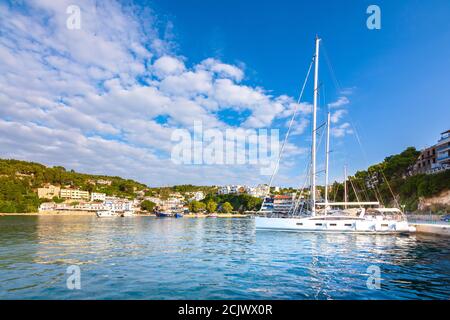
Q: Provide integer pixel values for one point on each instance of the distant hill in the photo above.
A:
(19, 181)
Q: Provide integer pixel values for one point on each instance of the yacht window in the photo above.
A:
(348, 224)
(318, 224)
(300, 224)
(333, 224)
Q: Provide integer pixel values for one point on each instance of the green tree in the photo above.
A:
(227, 207)
(57, 199)
(211, 206)
(196, 206)
(148, 205)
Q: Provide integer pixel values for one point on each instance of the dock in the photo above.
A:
(441, 229)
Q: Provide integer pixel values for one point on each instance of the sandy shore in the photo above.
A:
(51, 213)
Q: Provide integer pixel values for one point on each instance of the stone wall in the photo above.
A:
(439, 202)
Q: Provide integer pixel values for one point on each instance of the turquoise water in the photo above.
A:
(151, 258)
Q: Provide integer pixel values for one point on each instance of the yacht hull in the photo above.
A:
(342, 225)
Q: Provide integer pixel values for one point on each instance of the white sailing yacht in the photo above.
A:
(323, 216)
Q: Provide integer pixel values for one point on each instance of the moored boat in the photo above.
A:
(164, 214)
(106, 214)
(380, 220)
(325, 216)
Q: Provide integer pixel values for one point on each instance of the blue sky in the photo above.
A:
(116, 89)
(401, 73)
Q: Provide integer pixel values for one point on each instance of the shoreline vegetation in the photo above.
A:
(20, 180)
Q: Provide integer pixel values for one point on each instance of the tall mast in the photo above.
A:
(327, 155)
(345, 186)
(313, 151)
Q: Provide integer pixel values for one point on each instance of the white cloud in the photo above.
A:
(337, 115)
(341, 101)
(166, 66)
(89, 99)
(299, 126)
(341, 130)
(222, 69)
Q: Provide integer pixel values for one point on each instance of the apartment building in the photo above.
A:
(74, 194)
(435, 158)
(48, 192)
(426, 161)
(443, 150)
(282, 204)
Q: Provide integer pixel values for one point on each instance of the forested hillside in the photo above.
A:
(20, 179)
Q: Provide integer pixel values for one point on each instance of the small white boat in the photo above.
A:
(106, 214)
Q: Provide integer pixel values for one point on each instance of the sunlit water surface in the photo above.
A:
(151, 258)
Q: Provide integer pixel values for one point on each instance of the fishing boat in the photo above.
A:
(326, 216)
(164, 214)
(178, 215)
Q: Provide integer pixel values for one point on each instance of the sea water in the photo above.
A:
(207, 258)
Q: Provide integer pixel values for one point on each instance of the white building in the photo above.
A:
(47, 206)
(443, 150)
(155, 200)
(93, 206)
(232, 189)
(262, 190)
(224, 190)
(96, 196)
(172, 204)
(118, 204)
(104, 182)
(197, 196)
